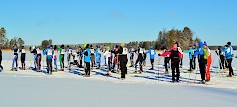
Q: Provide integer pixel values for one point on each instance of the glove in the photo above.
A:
(158, 54)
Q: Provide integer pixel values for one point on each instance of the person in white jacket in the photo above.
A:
(107, 55)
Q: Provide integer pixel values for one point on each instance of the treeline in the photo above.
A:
(5, 43)
(166, 39)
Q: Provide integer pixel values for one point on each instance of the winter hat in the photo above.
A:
(205, 43)
(48, 46)
(151, 47)
(229, 43)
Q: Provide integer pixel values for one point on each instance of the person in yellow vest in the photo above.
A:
(209, 62)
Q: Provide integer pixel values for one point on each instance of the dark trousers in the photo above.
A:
(223, 62)
(191, 64)
(49, 65)
(23, 58)
(123, 69)
(202, 67)
(194, 63)
(38, 61)
(131, 59)
(175, 69)
(229, 61)
(92, 60)
(152, 63)
(166, 61)
(87, 68)
(140, 60)
(63, 61)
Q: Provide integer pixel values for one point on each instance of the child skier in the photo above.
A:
(61, 57)
(23, 58)
(55, 58)
(38, 59)
(98, 56)
(191, 56)
(107, 55)
(80, 57)
(140, 53)
(152, 53)
(132, 52)
(15, 58)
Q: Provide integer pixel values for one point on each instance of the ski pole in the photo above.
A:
(195, 75)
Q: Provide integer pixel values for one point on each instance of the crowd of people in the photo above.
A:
(116, 59)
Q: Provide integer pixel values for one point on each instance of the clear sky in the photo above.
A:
(89, 21)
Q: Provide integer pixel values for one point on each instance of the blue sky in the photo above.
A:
(89, 21)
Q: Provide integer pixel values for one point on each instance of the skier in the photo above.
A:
(144, 58)
(92, 56)
(152, 53)
(107, 55)
(175, 61)
(34, 52)
(61, 57)
(123, 60)
(229, 54)
(75, 58)
(49, 52)
(181, 58)
(220, 54)
(166, 60)
(15, 58)
(55, 58)
(1, 60)
(87, 55)
(140, 53)
(191, 57)
(98, 57)
(115, 61)
(23, 58)
(80, 56)
(209, 62)
(132, 52)
(38, 59)
(202, 60)
(69, 54)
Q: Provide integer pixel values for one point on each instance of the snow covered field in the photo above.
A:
(150, 89)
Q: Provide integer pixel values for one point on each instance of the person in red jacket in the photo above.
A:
(175, 59)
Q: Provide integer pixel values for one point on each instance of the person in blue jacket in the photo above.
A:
(191, 56)
(87, 59)
(152, 53)
(98, 56)
(229, 54)
(49, 52)
(15, 58)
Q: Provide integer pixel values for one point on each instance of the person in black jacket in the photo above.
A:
(123, 51)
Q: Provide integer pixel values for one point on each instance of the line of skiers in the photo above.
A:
(92, 58)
